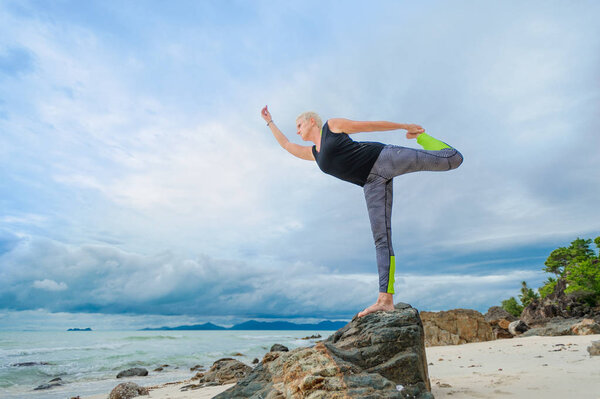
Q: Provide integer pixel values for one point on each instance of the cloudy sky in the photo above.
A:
(139, 185)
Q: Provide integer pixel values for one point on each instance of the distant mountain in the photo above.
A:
(205, 326)
(285, 325)
(259, 325)
(79, 329)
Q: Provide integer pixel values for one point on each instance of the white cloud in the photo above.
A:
(49, 285)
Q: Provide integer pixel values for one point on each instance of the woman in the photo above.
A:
(372, 166)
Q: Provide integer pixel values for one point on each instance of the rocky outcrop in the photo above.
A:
(499, 320)
(224, 371)
(552, 328)
(381, 355)
(133, 372)
(586, 327)
(557, 304)
(317, 336)
(127, 390)
(561, 314)
(455, 327)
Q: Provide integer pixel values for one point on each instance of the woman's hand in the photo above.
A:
(266, 114)
(413, 131)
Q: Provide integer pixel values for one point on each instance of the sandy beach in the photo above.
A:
(531, 367)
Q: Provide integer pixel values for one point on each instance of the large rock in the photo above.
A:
(133, 372)
(553, 328)
(497, 313)
(455, 327)
(586, 327)
(225, 371)
(127, 390)
(381, 355)
(557, 304)
(499, 320)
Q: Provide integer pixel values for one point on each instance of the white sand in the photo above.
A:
(529, 368)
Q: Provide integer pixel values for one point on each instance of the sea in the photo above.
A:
(89, 361)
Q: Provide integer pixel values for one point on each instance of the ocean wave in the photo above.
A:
(148, 338)
(36, 351)
(263, 337)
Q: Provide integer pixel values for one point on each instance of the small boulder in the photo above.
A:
(196, 368)
(517, 327)
(133, 372)
(586, 327)
(279, 348)
(594, 349)
(255, 361)
(127, 390)
(225, 371)
(56, 382)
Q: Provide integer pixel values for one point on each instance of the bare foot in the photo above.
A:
(385, 302)
(413, 135)
(376, 308)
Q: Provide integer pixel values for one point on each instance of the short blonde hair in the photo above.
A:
(310, 114)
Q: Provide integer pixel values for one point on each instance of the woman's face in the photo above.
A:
(302, 127)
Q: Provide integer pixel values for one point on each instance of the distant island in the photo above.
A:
(258, 325)
(79, 329)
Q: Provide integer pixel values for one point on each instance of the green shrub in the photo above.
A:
(548, 287)
(578, 264)
(512, 306)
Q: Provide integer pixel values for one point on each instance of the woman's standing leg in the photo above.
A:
(379, 198)
(395, 161)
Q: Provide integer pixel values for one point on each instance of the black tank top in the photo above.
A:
(344, 158)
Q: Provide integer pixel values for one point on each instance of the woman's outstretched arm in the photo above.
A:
(300, 151)
(341, 125)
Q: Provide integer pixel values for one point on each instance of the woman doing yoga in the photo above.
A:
(372, 166)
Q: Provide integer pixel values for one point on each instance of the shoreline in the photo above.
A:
(531, 367)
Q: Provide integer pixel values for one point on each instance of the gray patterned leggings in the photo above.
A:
(395, 161)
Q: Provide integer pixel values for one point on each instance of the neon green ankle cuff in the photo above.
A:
(430, 143)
